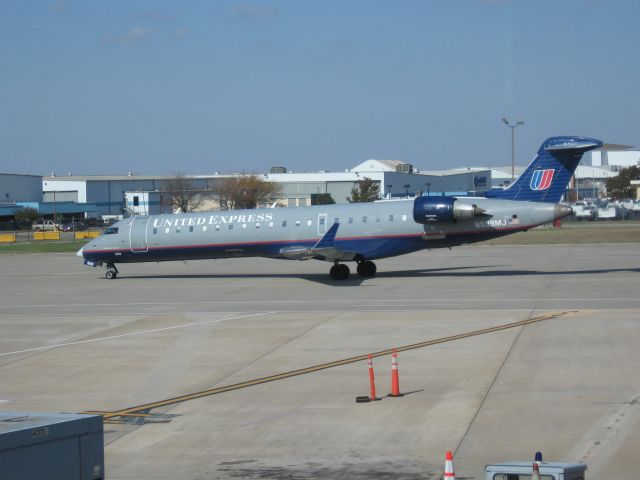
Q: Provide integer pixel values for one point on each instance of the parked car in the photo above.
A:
(73, 226)
(45, 226)
(584, 211)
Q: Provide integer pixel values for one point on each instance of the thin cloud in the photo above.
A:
(154, 15)
(180, 33)
(59, 8)
(252, 10)
(134, 36)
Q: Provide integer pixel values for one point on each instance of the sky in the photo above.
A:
(196, 87)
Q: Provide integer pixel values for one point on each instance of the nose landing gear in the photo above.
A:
(112, 271)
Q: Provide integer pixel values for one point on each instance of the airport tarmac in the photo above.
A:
(73, 341)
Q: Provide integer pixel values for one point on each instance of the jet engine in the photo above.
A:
(443, 210)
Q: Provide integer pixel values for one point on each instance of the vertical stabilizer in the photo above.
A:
(547, 176)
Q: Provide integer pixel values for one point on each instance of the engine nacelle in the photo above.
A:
(443, 210)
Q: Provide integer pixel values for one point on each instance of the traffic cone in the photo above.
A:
(395, 380)
(372, 381)
(448, 467)
(536, 472)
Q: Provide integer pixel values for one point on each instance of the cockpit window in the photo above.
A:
(111, 231)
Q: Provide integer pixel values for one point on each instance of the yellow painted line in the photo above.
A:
(7, 237)
(324, 366)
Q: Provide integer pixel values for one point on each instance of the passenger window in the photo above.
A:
(350, 219)
(111, 231)
(284, 223)
(270, 224)
(336, 220)
(322, 220)
(297, 223)
(155, 230)
(204, 228)
(217, 227)
(191, 228)
(177, 229)
(377, 218)
(257, 225)
(244, 225)
(166, 230)
(404, 218)
(231, 226)
(364, 219)
(309, 223)
(391, 218)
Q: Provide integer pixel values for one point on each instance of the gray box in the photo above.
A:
(40, 446)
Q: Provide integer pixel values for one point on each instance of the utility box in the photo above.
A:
(523, 470)
(43, 446)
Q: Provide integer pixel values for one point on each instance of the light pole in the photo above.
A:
(406, 188)
(513, 126)
(428, 189)
(389, 187)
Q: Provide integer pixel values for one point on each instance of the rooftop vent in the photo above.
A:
(404, 168)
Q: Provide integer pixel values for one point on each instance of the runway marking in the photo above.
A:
(143, 332)
(145, 408)
(421, 301)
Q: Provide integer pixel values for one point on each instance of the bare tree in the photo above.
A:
(245, 191)
(184, 196)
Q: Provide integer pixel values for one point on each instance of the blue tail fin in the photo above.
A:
(547, 176)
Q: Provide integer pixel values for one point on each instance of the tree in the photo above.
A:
(366, 190)
(322, 199)
(620, 187)
(184, 197)
(27, 214)
(245, 191)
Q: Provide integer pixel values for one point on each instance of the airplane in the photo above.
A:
(356, 232)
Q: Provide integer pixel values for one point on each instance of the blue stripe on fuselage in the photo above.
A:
(370, 248)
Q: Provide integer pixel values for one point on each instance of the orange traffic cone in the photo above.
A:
(372, 381)
(395, 380)
(448, 467)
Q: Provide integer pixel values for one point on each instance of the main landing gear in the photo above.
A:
(340, 271)
(112, 271)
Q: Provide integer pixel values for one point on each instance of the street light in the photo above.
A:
(428, 189)
(513, 127)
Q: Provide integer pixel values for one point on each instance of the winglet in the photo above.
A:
(327, 240)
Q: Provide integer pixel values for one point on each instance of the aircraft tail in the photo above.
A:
(547, 176)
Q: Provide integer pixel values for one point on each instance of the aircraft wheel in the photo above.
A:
(110, 274)
(339, 272)
(367, 269)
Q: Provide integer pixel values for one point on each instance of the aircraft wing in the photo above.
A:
(324, 249)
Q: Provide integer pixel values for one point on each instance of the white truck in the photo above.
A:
(45, 226)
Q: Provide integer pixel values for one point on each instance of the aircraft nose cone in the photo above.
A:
(79, 252)
(562, 211)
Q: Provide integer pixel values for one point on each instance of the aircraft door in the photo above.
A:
(322, 224)
(138, 234)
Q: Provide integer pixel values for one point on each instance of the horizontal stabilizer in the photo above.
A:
(324, 249)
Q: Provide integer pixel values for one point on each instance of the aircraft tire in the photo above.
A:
(344, 271)
(367, 269)
(339, 272)
(110, 274)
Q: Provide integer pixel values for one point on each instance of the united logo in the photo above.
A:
(541, 179)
